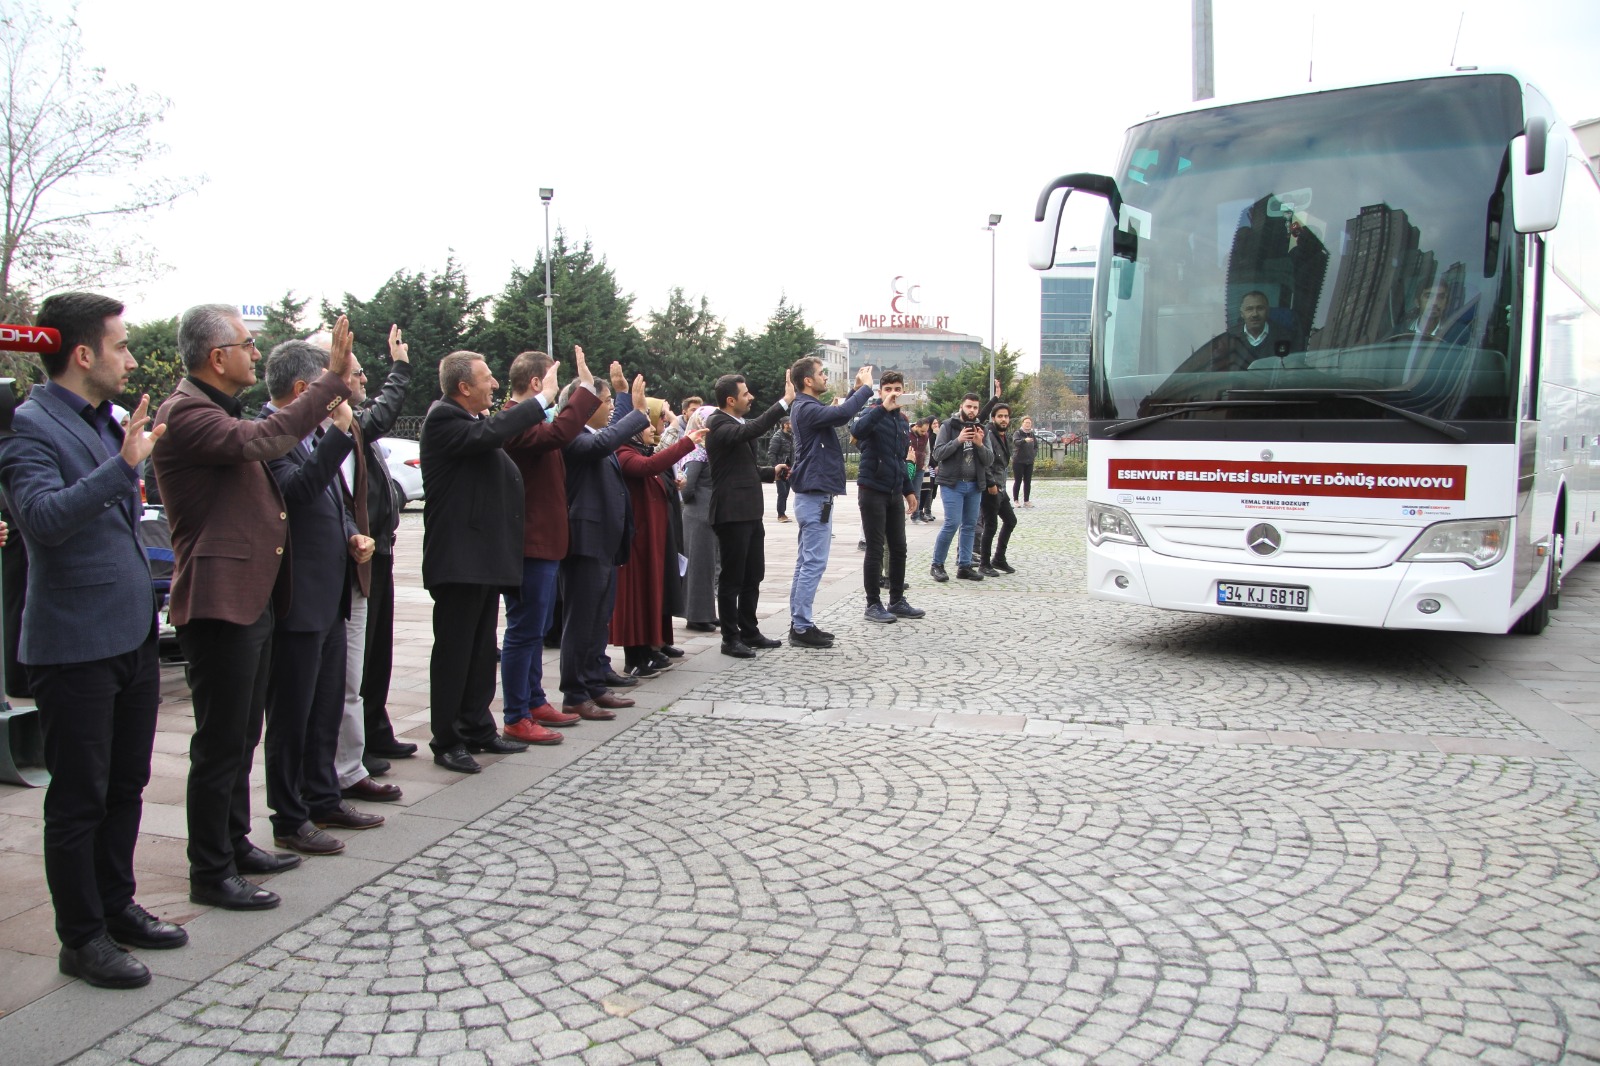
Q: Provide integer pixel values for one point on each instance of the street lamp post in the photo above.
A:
(549, 299)
(994, 221)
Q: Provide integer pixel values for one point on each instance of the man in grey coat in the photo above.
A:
(89, 634)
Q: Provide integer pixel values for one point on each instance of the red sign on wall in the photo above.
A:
(1395, 481)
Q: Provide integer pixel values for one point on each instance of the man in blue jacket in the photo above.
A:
(816, 478)
(89, 634)
(883, 484)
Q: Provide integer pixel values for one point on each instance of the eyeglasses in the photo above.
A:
(247, 343)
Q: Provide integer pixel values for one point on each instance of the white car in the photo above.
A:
(405, 467)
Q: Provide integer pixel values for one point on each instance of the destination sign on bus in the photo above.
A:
(1409, 481)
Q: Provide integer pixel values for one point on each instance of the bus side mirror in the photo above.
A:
(1042, 247)
(1538, 172)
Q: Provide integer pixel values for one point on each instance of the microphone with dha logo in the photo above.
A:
(39, 340)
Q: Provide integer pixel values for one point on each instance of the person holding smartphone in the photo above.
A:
(964, 457)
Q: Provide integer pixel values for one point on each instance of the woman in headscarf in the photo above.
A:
(638, 624)
(700, 541)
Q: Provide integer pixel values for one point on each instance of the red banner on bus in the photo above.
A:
(1394, 481)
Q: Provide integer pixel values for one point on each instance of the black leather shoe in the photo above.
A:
(939, 572)
(760, 641)
(373, 765)
(1004, 567)
(738, 649)
(701, 627)
(309, 840)
(256, 861)
(967, 573)
(138, 928)
(398, 750)
(345, 816)
(103, 964)
(988, 571)
(233, 894)
(616, 680)
(497, 745)
(671, 652)
(458, 760)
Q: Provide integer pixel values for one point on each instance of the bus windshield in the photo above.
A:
(1302, 258)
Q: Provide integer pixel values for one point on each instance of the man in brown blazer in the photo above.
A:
(229, 539)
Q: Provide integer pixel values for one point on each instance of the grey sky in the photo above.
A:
(738, 150)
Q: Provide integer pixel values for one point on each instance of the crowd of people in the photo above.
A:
(597, 515)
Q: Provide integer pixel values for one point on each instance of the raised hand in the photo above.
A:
(342, 416)
(137, 444)
(343, 342)
(619, 380)
(552, 382)
(399, 351)
(698, 435)
(582, 366)
(638, 391)
(864, 376)
(788, 389)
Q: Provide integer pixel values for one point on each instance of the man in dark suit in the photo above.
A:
(89, 634)
(230, 531)
(383, 512)
(529, 610)
(305, 690)
(471, 552)
(736, 506)
(600, 534)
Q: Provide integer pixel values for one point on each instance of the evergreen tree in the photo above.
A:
(155, 346)
(685, 349)
(437, 314)
(589, 310)
(765, 360)
(944, 394)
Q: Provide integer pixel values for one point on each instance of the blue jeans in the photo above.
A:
(961, 505)
(811, 558)
(528, 616)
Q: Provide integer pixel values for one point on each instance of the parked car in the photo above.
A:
(1046, 436)
(405, 467)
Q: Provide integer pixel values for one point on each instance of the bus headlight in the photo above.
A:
(1113, 524)
(1478, 542)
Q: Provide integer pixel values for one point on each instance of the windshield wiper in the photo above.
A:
(1445, 428)
(1197, 405)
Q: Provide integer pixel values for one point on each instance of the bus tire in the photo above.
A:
(1538, 617)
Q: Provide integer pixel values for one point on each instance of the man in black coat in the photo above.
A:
(600, 534)
(383, 512)
(471, 552)
(305, 686)
(736, 506)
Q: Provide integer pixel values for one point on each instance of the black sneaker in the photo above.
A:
(809, 638)
(642, 670)
(938, 573)
(823, 633)
(901, 609)
(988, 571)
(967, 573)
(876, 612)
(1004, 567)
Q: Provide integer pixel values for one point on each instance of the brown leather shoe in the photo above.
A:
(612, 701)
(309, 840)
(530, 732)
(588, 711)
(546, 715)
(368, 789)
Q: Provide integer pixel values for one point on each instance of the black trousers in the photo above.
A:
(99, 722)
(883, 518)
(378, 661)
(588, 596)
(461, 672)
(228, 666)
(995, 506)
(305, 702)
(783, 496)
(1021, 481)
(744, 564)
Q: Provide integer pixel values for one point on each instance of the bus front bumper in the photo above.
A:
(1391, 597)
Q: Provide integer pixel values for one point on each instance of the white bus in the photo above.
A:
(1346, 348)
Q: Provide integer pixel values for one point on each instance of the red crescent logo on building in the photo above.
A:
(908, 293)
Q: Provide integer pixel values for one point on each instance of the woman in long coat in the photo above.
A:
(637, 624)
(699, 540)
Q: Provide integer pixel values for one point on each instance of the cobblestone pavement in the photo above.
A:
(1030, 828)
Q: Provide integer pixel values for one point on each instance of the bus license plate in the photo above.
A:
(1263, 597)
